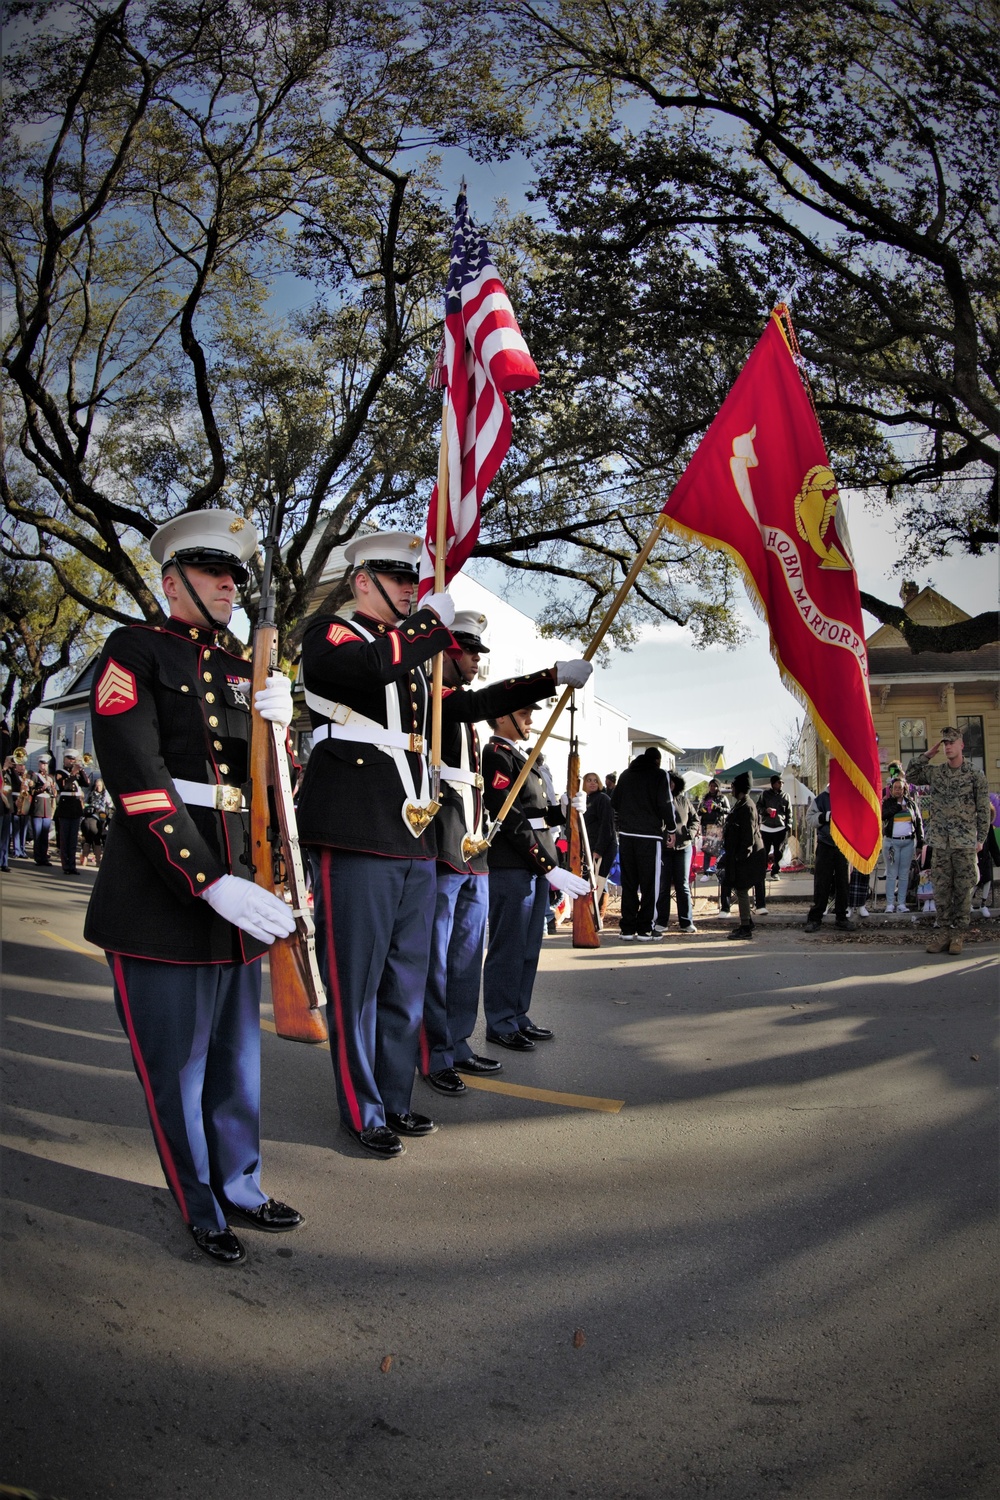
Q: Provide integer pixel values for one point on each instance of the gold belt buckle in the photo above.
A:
(478, 782)
(229, 799)
(417, 744)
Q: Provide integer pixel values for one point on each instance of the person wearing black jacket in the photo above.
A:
(69, 812)
(524, 864)
(775, 813)
(601, 835)
(902, 837)
(174, 906)
(678, 848)
(451, 999)
(644, 811)
(744, 851)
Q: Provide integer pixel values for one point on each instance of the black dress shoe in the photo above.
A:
(380, 1139)
(275, 1217)
(220, 1244)
(476, 1064)
(537, 1033)
(514, 1041)
(445, 1081)
(410, 1124)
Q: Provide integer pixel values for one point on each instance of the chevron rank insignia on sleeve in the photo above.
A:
(338, 634)
(116, 691)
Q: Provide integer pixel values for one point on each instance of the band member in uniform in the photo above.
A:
(364, 813)
(451, 1002)
(523, 864)
(174, 905)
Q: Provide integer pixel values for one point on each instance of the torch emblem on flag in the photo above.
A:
(483, 356)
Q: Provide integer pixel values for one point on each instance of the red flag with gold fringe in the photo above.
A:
(760, 488)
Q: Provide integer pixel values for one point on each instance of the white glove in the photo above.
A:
(274, 700)
(574, 673)
(578, 802)
(564, 880)
(246, 905)
(442, 606)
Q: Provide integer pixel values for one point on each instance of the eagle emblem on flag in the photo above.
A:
(116, 692)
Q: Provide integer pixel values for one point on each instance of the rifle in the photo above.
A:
(586, 922)
(296, 986)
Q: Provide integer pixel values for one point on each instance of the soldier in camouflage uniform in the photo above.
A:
(960, 819)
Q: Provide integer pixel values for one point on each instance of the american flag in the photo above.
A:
(483, 356)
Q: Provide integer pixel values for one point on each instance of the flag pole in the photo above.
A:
(440, 542)
(602, 630)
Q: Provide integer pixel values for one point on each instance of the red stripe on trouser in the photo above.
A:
(343, 1067)
(163, 1147)
(425, 1051)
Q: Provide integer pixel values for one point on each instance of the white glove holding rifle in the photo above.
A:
(250, 907)
(564, 880)
(274, 700)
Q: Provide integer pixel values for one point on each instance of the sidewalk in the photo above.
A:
(788, 901)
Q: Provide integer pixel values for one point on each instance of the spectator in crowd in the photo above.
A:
(775, 813)
(744, 850)
(21, 783)
(43, 805)
(6, 811)
(678, 848)
(69, 812)
(712, 813)
(989, 855)
(858, 886)
(610, 782)
(829, 871)
(94, 828)
(600, 821)
(643, 813)
(961, 819)
(902, 837)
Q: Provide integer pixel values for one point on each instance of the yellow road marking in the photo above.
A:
(87, 952)
(545, 1096)
(491, 1085)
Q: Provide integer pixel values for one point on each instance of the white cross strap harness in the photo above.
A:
(390, 738)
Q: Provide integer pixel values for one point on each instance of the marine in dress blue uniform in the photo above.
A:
(173, 904)
(522, 865)
(451, 1002)
(364, 814)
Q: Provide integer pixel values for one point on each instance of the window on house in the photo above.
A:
(972, 736)
(912, 738)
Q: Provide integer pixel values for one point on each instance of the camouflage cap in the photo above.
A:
(949, 732)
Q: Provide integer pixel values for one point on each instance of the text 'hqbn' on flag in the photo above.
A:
(760, 488)
(483, 356)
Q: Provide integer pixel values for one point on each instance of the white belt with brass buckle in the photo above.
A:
(374, 734)
(202, 794)
(462, 777)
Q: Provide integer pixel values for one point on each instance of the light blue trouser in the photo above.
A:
(898, 855)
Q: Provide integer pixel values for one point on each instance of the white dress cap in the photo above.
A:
(386, 552)
(206, 536)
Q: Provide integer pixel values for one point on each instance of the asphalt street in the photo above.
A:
(732, 1233)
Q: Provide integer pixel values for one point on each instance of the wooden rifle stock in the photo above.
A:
(296, 985)
(585, 930)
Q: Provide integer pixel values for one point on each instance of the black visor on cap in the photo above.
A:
(397, 569)
(470, 642)
(198, 556)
